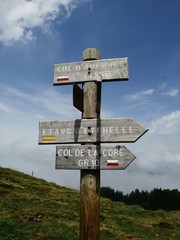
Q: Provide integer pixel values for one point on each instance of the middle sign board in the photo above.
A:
(90, 131)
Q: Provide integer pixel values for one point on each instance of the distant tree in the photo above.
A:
(156, 199)
(144, 199)
(107, 192)
(119, 196)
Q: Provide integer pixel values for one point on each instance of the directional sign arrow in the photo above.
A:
(97, 70)
(90, 131)
(93, 157)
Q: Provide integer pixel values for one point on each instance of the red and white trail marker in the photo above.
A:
(112, 163)
(62, 78)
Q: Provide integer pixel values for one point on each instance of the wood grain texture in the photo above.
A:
(93, 157)
(90, 179)
(91, 54)
(115, 130)
(115, 69)
(90, 100)
(90, 205)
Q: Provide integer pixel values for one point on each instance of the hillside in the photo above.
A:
(33, 209)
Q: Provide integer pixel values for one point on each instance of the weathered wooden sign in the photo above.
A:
(114, 69)
(93, 157)
(90, 131)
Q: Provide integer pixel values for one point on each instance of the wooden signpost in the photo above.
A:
(91, 131)
(93, 157)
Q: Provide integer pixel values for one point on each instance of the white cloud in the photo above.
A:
(139, 95)
(163, 86)
(18, 18)
(172, 92)
(161, 153)
(168, 124)
(148, 92)
(39, 103)
(6, 108)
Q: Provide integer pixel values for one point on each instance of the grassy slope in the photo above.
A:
(33, 209)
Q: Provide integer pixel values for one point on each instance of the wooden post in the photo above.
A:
(90, 179)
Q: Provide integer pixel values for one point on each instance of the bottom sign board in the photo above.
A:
(93, 157)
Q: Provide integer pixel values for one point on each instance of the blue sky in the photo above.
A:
(34, 35)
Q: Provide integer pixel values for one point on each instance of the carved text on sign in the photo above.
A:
(93, 157)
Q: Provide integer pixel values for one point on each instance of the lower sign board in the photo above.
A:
(90, 131)
(93, 157)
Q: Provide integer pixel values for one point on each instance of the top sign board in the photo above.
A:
(115, 69)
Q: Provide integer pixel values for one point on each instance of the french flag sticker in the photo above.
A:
(112, 163)
(62, 78)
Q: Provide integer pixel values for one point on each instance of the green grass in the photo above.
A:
(33, 209)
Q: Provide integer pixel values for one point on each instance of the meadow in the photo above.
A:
(34, 209)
